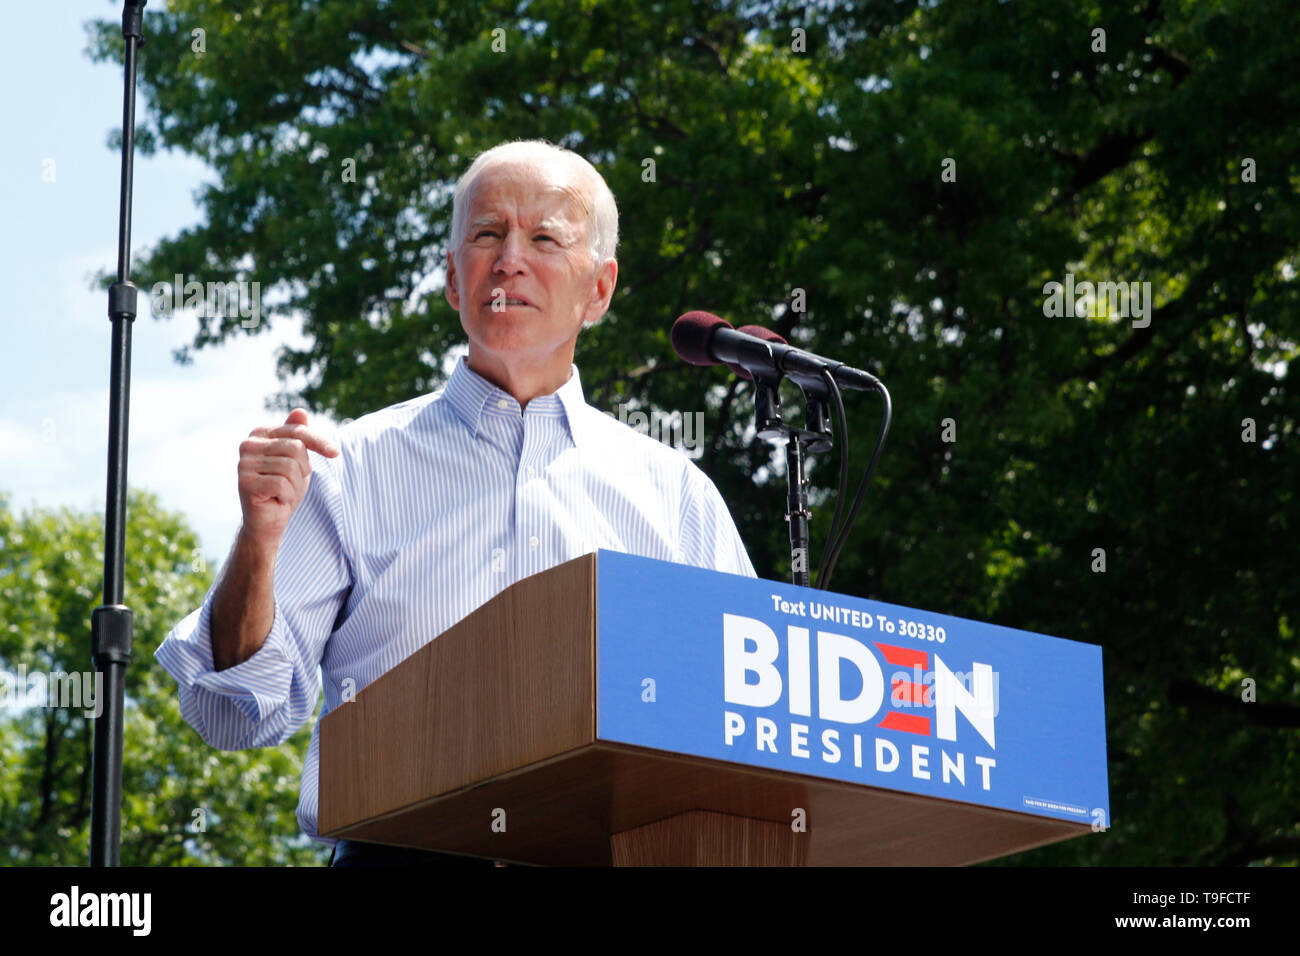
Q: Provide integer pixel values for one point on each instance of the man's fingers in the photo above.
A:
(258, 450)
(269, 487)
(284, 448)
(313, 440)
(320, 444)
(292, 465)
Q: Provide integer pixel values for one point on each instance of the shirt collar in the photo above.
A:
(472, 397)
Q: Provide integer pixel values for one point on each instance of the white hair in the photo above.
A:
(602, 223)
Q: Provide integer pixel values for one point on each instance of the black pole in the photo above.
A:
(797, 512)
(770, 424)
(110, 623)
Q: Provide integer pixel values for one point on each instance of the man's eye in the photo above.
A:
(548, 238)
(484, 232)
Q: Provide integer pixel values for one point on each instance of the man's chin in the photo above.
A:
(504, 348)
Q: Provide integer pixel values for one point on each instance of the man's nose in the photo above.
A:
(510, 256)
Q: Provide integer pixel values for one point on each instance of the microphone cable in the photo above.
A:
(823, 578)
(836, 541)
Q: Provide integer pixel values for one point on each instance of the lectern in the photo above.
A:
(617, 710)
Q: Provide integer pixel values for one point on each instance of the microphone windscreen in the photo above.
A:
(691, 334)
(758, 332)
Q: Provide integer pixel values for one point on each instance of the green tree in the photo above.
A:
(898, 182)
(183, 803)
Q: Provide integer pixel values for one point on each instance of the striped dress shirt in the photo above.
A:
(432, 507)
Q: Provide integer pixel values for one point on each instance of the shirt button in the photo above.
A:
(533, 542)
(532, 472)
(502, 404)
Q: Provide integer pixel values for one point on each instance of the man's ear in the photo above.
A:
(605, 280)
(450, 290)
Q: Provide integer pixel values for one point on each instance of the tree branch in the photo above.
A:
(47, 771)
(1172, 63)
(1134, 344)
(1111, 153)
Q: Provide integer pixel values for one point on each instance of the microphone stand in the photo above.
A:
(111, 622)
(796, 510)
(799, 442)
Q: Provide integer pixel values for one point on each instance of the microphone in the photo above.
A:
(758, 332)
(701, 338)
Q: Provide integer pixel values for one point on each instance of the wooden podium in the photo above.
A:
(484, 742)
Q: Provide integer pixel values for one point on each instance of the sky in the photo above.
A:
(186, 422)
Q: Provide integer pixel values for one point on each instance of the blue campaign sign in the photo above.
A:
(771, 675)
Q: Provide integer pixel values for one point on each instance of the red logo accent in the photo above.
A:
(906, 692)
(910, 723)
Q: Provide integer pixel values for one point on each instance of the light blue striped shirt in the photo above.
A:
(432, 507)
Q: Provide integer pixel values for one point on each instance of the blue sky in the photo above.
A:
(186, 422)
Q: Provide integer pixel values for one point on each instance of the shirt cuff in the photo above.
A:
(257, 687)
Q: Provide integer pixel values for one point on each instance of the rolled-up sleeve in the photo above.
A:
(262, 701)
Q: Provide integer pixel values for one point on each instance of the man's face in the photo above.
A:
(523, 279)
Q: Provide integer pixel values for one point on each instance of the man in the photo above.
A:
(352, 555)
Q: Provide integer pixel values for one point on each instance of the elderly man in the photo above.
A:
(352, 555)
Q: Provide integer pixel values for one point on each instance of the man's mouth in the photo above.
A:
(509, 302)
